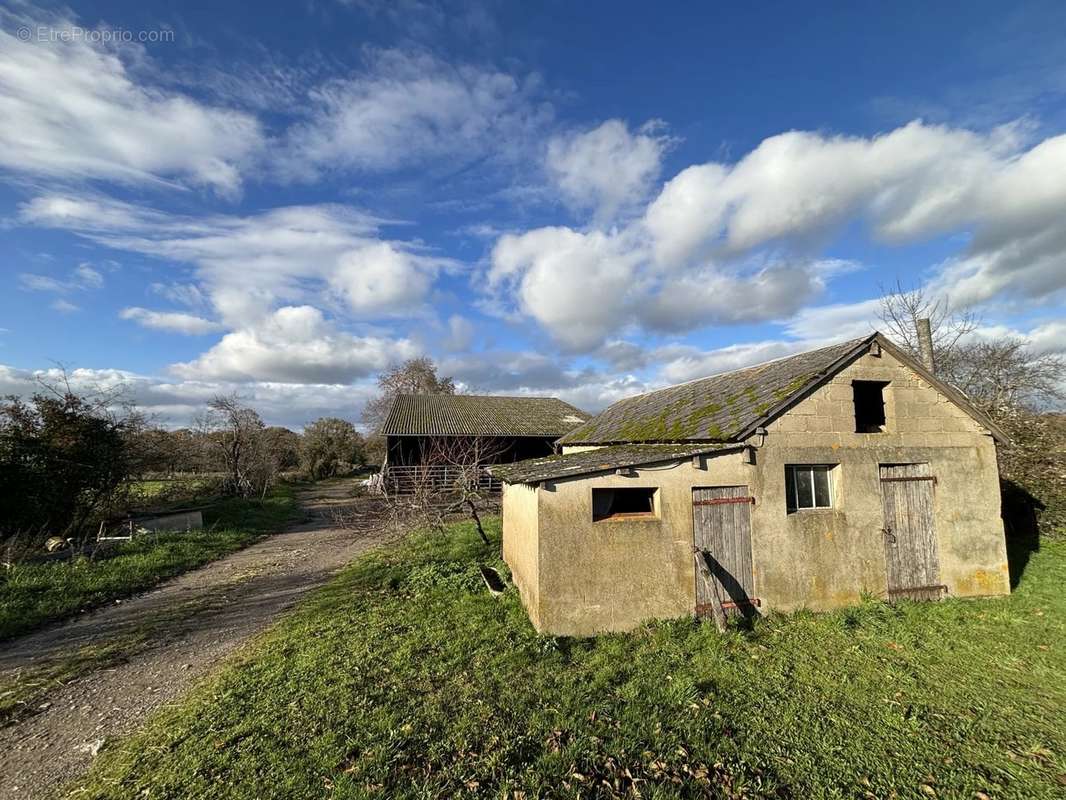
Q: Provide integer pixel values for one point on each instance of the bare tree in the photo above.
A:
(1004, 376)
(900, 310)
(235, 434)
(449, 481)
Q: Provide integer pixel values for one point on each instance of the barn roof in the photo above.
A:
(731, 405)
(600, 459)
(479, 415)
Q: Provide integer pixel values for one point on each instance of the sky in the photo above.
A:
(583, 200)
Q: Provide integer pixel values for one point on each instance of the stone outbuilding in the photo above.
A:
(804, 482)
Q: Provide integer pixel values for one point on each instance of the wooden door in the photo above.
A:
(721, 525)
(911, 554)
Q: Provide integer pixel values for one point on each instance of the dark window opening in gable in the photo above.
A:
(636, 503)
(869, 406)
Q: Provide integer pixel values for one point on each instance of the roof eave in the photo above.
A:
(723, 447)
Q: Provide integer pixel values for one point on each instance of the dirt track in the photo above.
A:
(182, 631)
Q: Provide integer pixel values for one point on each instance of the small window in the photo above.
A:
(622, 504)
(808, 486)
(869, 406)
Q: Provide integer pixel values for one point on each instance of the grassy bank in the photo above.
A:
(404, 678)
(33, 594)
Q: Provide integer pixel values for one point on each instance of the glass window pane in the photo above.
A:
(821, 487)
(804, 488)
(790, 488)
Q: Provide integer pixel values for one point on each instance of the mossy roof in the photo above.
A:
(714, 409)
(600, 459)
(479, 415)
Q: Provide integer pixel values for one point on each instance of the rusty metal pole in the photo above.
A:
(925, 344)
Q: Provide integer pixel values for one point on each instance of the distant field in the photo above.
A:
(164, 491)
(404, 679)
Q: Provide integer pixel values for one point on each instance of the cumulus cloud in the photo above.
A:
(710, 296)
(407, 109)
(576, 285)
(738, 243)
(95, 121)
(607, 169)
(380, 279)
(294, 344)
(173, 321)
(911, 184)
(584, 288)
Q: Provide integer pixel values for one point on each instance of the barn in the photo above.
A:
(437, 437)
(805, 482)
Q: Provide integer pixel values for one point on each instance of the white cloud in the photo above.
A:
(71, 109)
(408, 109)
(911, 184)
(711, 296)
(64, 306)
(576, 285)
(178, 403)
(88, 277)
(174, 321)
(294, 344)
(607, 169)
(584, 288)
(380, 279)
(81, 278)
(186, 294)
(249, 265)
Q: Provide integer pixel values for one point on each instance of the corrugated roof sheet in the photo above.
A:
(479, 415)
(717, 408)
(599, 460)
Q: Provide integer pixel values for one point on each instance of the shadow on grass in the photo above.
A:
(1020, 511)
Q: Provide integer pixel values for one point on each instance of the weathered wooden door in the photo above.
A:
(911, 554)
(721, 525)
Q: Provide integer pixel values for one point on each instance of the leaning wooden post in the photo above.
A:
(717, 608)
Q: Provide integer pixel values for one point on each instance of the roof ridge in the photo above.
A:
(766, 363)
(466, 394)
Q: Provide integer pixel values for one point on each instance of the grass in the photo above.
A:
(33, 594)
(403, 678)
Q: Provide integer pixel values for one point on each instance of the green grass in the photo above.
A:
(403, 678)
(33, 594)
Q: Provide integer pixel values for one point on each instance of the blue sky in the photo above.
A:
(578, 199)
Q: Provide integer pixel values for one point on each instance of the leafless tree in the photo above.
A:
(902, 307)
(448, 482)
(1004, 376)
(235, 435)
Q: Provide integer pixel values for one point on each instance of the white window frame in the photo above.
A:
(791, 471)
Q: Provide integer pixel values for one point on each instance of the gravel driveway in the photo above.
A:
(182, 631)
